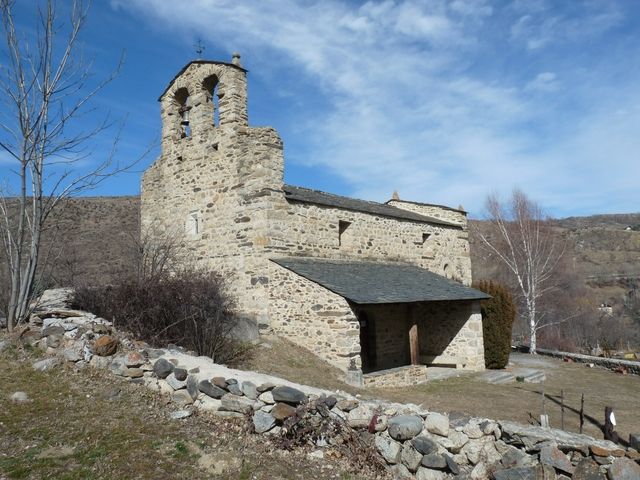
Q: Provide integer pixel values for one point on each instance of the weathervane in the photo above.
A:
(199, 48)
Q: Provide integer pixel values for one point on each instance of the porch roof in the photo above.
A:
(371, 283)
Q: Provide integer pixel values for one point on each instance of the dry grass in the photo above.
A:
(280, 357)
(72, 430)
(515, 401)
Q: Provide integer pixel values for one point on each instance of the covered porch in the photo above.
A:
(408, 318)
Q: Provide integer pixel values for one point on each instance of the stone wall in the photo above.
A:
(211, 187)
(452, 329)
(313, 317)
(411, 442)
(396, 377)
(313, 230)
(630, 366)
(390, 326)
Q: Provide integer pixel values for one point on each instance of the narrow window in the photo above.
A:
(193, 223)
(425, 237)
(342, 227)
(210, 85)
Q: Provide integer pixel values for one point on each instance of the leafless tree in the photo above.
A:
(522, 240)
(46, 89)
(156, 251)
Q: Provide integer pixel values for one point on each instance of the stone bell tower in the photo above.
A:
(216, 178)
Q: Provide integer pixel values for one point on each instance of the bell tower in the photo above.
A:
(204, 98)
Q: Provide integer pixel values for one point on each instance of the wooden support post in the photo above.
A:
(414, 346)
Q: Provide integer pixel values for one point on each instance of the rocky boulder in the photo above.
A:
(288, 395)
(105, 346)
(405, 427)
(209, 389)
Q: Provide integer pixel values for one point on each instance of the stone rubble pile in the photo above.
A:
(414, 443)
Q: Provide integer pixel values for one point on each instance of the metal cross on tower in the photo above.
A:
(199, 47)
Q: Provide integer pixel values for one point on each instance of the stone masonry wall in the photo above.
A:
(313, 230)
(451, 329)
(218, 177)
(313, 317)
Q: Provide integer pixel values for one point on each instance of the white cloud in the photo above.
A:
(411, 109)
(544, 82)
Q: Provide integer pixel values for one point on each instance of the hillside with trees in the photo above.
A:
(596, 300)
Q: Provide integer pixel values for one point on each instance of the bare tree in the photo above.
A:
(46, 89)
(156, 251)
(521, 238)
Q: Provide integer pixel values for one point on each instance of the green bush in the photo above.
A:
(498, 314)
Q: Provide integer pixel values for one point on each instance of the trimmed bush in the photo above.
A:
(498, 314)
(188, 308)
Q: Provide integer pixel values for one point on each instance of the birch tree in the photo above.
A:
(521, 239)
(46, 89)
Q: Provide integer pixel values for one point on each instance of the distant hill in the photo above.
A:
(90, 238)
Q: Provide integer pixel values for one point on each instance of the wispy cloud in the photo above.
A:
(443, 101)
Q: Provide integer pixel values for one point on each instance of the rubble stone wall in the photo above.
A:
(411, 442)
(313, 317)
(452, 329)
(313, 230)
(436, 211)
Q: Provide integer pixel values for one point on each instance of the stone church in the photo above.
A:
(380, 290)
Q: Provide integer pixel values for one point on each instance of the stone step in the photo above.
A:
(499, 377)
(537, 377)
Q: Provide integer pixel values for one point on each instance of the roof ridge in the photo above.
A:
(357, 204)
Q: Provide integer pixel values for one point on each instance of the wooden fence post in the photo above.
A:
(581, 412)
(562, 409)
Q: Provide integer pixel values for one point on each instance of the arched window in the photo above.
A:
(183, 100)
(210, 86)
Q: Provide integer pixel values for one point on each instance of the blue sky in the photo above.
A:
(443, 101)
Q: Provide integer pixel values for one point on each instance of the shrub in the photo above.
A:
(498, 314)
(189, 308)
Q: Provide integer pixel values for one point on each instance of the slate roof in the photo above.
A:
(307, 195)
(372, 283)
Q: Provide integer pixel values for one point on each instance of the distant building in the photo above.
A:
(374, 289)
(605, 309)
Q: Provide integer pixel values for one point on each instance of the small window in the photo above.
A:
(193, 223)
(342, 227)
(425, 237)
